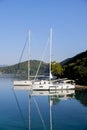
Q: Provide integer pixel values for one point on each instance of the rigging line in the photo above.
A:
(18, 66)
(19, 108)
(23, 50)
(39, 113)
(41, 59)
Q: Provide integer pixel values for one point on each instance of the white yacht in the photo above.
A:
(49, 84)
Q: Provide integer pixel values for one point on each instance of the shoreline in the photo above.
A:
(80, 87)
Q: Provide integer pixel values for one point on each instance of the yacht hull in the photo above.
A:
(22, 83)
(52, 87)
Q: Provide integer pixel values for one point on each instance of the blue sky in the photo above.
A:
(68, 19)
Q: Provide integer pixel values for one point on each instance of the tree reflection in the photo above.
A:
(57, 98)
(82, 97)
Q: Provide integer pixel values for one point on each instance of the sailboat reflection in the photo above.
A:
(54, 97)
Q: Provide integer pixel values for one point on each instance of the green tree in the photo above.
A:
(57, 69)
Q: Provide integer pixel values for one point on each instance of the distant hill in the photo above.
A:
(76, 68)
(3, 65)
(22, 68)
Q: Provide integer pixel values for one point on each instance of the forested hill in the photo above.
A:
(76, 68)
(80, 56)
(22, 68)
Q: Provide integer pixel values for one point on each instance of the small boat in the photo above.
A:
(28, 81)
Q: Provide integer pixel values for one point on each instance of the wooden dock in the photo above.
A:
(80, 88)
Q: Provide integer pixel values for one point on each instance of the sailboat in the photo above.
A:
(49, 84)
(28, 81)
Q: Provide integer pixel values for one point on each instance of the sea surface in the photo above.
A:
(22, 109)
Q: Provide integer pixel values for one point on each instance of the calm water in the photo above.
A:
(43, 113)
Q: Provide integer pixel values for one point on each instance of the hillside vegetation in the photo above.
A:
(22, 68)
(76, 68)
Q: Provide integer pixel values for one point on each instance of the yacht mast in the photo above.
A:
(50, 75)
(29, 55)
